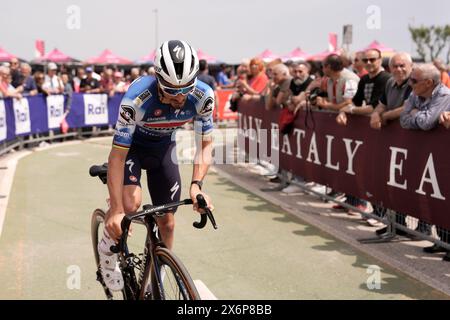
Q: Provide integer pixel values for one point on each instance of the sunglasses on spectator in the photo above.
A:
(372, 60)
(176, 91)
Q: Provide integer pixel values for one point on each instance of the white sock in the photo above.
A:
(105, 244)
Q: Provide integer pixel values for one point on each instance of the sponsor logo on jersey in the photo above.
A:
(144, 96)
(207, 106)
(157, 112)
(133, 179)
(123, 134)
(198, 94)
(127, 114)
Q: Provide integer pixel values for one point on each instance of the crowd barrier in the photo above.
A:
(404, 170)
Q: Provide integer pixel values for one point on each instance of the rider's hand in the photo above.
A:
(112, 223)
(194, 191)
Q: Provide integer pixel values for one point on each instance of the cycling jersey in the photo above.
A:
(145, 121)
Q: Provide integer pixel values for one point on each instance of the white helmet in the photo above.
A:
(176, 63)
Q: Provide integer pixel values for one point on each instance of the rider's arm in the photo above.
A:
(116, 163)
(202, 159)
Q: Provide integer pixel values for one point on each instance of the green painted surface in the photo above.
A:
(258, 252)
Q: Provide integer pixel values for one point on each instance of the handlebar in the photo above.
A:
(127, 219)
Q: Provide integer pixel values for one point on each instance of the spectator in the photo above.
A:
(90, 84)
(204, 76)
(106, 82)
(342, 84)
(445, 78)
(52, 83)
(119, 85)
(423, 109)
(428, 100)
(390, 107)
(222, 78)
(28, 86)
(370, 87)
(396, 92)
(68, 91)
(279, 87)
(39, 78)
(300, 78)
(358, 64)
(81, 74)
(16, 76)
(258, 79)
(134, 74)
(6, 88)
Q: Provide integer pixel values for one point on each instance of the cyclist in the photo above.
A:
(150, 112)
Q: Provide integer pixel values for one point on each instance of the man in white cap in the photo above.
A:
(52, 83)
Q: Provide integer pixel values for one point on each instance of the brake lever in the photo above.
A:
(204, 216)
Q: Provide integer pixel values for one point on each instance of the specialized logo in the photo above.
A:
(127, 114)
(144, 96)
(174, 189)
(198, 94)
(157, 112)
(131, 164)
(207, 106)
(179, 52)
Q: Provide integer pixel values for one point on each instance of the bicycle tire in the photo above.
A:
(177, 284)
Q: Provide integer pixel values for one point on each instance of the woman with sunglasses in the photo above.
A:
(150, 113)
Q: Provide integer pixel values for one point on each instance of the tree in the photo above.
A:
(431, 40)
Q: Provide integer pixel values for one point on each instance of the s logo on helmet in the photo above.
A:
(179, 52)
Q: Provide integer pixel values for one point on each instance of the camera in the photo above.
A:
(312, 98)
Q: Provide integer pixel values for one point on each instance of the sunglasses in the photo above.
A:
(372, 60)
(176, 91)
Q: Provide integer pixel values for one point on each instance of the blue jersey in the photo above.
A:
(146, 121)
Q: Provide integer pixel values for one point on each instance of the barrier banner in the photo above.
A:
(55, 111)
(95, 109)
(404, 170)
(3, 125)
(223, 108)
(22, 116)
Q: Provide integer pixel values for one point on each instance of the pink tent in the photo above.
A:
(296, 54)
(107, 57)
(5, 56)
(268, 55)
(204, 56)
(385, 51)
(322, 55)
(56, 56)
(149, 58)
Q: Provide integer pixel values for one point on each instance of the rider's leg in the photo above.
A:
(164, 184)
(166, 227)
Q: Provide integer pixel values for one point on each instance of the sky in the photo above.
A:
(228, 29)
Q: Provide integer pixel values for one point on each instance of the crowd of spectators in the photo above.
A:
(416, 95)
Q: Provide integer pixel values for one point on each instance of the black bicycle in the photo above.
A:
(142, 273)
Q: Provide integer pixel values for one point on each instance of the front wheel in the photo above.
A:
(176, 284)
